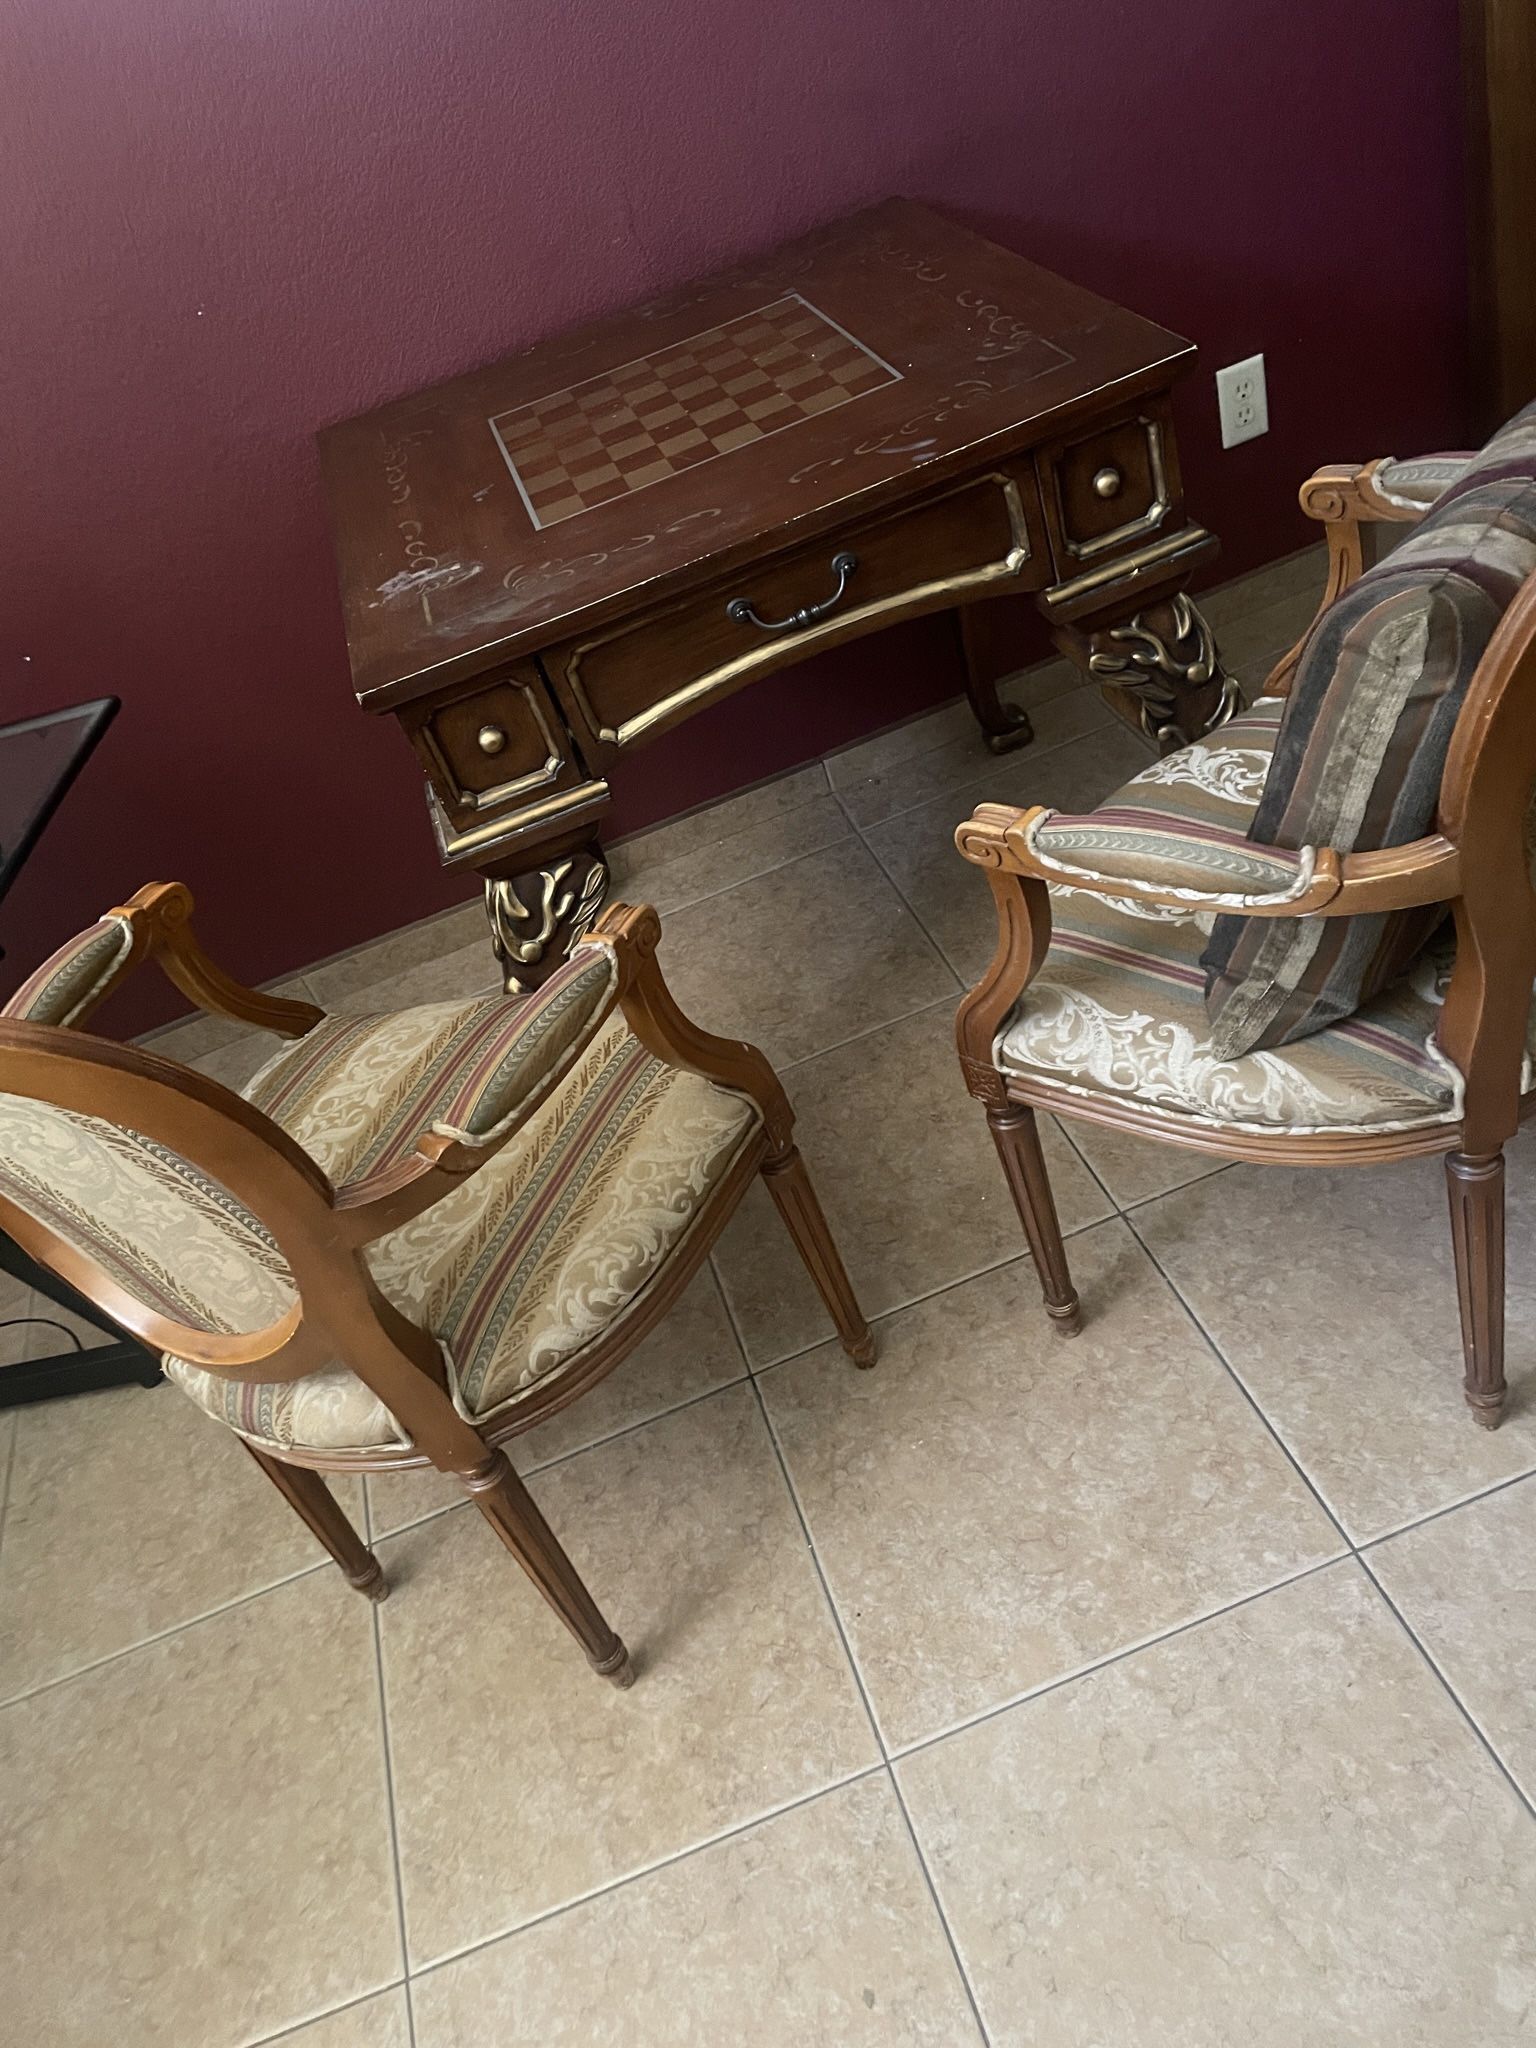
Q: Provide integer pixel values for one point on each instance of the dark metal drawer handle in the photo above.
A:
(740, 608)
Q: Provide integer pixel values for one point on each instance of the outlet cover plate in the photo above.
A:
(1243, 399)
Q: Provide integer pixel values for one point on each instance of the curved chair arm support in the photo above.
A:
(634, 931)
(1023, 907)
(165, 910)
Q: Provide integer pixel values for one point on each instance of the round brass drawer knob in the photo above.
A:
(492, 739)
(1107, 481)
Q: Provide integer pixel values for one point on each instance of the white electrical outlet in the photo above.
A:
(1243, 400)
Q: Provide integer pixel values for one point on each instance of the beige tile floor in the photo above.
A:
(1172, 1686)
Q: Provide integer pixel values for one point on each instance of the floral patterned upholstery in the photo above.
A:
(171, 1237)
(1118, 1008)
(542, 1251)
(70, 979)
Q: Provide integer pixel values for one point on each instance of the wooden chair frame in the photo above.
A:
(1475, 861)
(339, 1314)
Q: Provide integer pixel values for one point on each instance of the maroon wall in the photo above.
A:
(227, 221)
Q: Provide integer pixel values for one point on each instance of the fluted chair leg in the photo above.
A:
(1476, 1190)
(307, 1493)
(1017, 1138)
(796, 1201)
(511, 1511)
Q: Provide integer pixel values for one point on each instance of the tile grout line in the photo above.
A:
(836, 1619)
(6, 1476)
(618, 1884)
(945, 1001)
(635, 839)
(1356, 1551)
(1033, 752)
(1358, 1548)
(163, 1635)
(910, 907)
(1068, 1128)
(1242, 1386)
(1454, 1696)
(1111, 1657)
(1020, 1257)
(318, 2018)
(821, 1578)
(526, 1472)
(938, 1906)
(773, 867)
(1454, 1507)
(387, 1753)
(783, 1067)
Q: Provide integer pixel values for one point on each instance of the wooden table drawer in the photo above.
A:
(498, 742)
(1107, 487)
(634, 680)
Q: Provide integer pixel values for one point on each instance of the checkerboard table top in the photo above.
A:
(866, 361)
(660, 414)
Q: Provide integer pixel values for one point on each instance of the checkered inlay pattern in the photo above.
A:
(665, 413)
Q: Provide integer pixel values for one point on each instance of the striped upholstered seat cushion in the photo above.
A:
(1363, 743)
(542, 1251)
(1118, 1010)
(73, 978)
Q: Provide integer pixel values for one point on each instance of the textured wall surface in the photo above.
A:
(228, 221)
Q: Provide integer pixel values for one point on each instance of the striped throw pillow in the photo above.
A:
(1362, 747)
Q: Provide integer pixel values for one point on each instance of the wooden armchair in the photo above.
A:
(421, 1233)
(1103, 1018)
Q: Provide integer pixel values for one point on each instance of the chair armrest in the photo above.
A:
(79, 977)
(1313, 882)
(613, 964)
(519, 1054)
(1410, 488)
(1205, 866)
(1385, 491)
(154, 924)
(165, 910)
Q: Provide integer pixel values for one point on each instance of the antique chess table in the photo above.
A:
(548, 562)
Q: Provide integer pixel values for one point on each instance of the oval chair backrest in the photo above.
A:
(175, 1207)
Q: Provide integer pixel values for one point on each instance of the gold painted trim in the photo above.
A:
(1124, 568)
(518, 785)
(454, 845)
(1144, 522)
(790, 646)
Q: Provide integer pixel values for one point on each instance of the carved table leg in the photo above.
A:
(982, 628)
(1159, 669)
(536, 914)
